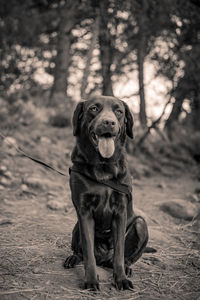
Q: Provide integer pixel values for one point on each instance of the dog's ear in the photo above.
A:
(128, 121)
(76, 121)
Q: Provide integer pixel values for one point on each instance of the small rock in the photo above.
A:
(181, 209)
(161, 185)
(8, 174)
(45, 140)
(67, 153)
(56, 205)
(3, 169)
(8, 202)
(33, 182)
(4, 181)
(193, 197)
(4, 222)
(51, 195)
(36, 270)
(24, 188)
(37, 182)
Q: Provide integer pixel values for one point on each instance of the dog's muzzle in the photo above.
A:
(103, 137)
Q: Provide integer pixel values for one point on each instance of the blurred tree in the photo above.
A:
(148, 20)
(106, 49)
(25, 27)
(68, 20)
(86, 73)
(105, 14)
(142, 23)
(186, 53)
(40, 34)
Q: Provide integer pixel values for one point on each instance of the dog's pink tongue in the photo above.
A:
(106, 147)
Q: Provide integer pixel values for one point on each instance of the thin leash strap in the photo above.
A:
(30, 157)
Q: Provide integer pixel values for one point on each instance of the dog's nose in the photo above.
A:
(108, 123)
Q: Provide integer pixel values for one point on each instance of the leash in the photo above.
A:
(117, 186)
(38, 161)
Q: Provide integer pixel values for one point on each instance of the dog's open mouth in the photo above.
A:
(105, 143)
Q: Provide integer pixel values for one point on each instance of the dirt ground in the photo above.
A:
(37, 218)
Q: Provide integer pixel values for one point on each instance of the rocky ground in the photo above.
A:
(37, 218)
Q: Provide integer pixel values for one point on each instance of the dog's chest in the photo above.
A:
(102, 204)
(103, 212)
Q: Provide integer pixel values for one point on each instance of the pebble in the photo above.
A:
(3, 169)
(8, 174)
(181, 209)
(4, 181)
(5, 221)
(56, 205)
(67, 153)
(193, 197)
(37, 182)
(36, 270)
(45, 140)
(161, 185)
(24, 188)
(8, 202)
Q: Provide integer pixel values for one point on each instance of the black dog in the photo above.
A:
(107, 233)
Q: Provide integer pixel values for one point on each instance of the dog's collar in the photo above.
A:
(113, 184)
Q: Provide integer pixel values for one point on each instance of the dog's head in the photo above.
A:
(105, 121)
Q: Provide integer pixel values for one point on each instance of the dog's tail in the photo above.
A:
(150, 250)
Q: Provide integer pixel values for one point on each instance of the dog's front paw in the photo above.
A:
(92, 285)
(123, 284)
(72, 261)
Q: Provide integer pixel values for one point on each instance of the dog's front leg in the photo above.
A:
(86, 224)
(119, 229)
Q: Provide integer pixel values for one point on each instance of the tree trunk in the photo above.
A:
(141, 54)
(196, 112)
(86, 74)
(63, 58)
(140, 61)
(106, 51)
(174, 115)
(59, 87)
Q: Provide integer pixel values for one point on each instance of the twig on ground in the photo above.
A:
(20, 291)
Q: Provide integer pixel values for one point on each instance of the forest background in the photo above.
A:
(145, 52)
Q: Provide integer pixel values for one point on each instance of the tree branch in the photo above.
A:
(153, 125)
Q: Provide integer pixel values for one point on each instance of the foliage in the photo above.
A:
(163, 33)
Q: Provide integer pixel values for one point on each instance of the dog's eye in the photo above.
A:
(94, 108)
(118, 112)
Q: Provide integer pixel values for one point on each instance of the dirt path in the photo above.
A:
(37, 217)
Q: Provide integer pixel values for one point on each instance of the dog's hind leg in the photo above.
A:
(135, 241)
(77, 256)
